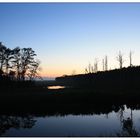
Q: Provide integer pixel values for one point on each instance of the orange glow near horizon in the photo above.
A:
(52, 70)
(52, 73)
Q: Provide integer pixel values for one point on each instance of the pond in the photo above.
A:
(125, 122)
(56, 87)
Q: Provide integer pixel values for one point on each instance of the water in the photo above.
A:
(56, 87)
(111, 124)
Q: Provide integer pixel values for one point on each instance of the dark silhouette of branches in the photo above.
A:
(18, 63)
(130, 58)
(120, 59)
(2, 55)
(103, 63)
(106, 63)
(27, 62)
(89, 69)
(8, 57)
(96, 65)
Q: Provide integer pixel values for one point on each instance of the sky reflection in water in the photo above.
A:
(78, 125)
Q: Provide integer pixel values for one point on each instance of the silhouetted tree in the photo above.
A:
(89, 69)
(8, 57)
(96, 65)
(120, 59)
(18, 63)
(2, 55)
(33, 70)
(103, 63)
(106, 63)
(86, 71)
(130, 58)
(27, 61)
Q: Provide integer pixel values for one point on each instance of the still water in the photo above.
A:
(122, 123)
(56, 87)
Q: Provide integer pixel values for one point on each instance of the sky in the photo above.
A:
(68, 36)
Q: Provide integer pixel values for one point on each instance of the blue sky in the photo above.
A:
(68, 36)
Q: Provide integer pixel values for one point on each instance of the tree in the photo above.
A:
(27, 62)
(130, 58)
(106, 63)
(8, 57)
(89, 69)
(33, 70)
(2, 56)
(96, 65)
(103, 63)
(5, 58)
(120, 59)
(86, 71)
(17, 61)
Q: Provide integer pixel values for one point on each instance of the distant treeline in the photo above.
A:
(118, 79)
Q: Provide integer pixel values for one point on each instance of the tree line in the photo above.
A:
(18, 63)
(119, 58)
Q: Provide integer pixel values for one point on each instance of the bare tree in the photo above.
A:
(120, 59)
(92, 69)
(96, 65)
(130, 58)
(103, 63)
(106, 63)
(89, 69)
(86, 71)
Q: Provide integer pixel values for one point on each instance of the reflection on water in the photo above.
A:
(56, 87)
(125, 122)
(15, 122)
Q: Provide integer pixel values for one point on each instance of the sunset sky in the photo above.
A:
(69, 36)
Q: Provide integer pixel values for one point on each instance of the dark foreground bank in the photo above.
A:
(42, 100)
(82, 92)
